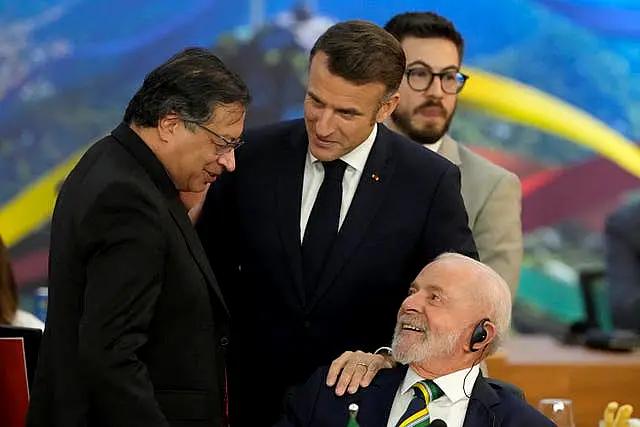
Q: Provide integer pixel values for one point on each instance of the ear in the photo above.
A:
(389, 104)
(490, 328)
(168, 125)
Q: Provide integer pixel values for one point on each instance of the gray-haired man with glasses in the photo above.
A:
(136, 319)
(223, 144)
(428, 97)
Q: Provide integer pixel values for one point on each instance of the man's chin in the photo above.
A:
(404, 350)
(428, 136)
(406, 356)
(325, 152)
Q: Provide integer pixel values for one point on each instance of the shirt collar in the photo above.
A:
(450, 384)
(357, 157)
(435, 147)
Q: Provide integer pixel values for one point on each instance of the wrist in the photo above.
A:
(387, 353)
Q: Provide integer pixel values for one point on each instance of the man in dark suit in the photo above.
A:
(457, 312)
(329, 219)
(137, 326)
(622, 237)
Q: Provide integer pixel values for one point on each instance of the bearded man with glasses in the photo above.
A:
(428, 97)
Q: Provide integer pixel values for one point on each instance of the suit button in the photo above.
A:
(224, 341)
(307, 324)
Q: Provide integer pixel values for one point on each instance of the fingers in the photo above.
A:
(355, 367)
(347, 371)
(353, 384)
(337, 366)
(377, 362)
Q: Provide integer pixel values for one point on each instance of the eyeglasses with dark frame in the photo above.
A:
(228, 145)
(421, 79)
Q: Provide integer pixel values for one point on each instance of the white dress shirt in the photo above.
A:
(314, 174)
(450, 408)
(435, 146)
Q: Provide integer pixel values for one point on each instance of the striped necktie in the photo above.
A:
(417, 414)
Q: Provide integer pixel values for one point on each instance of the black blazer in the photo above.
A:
(316, 405)
(394, 227)
(136, 324)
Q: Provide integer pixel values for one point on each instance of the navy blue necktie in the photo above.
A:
(417, 413)
(322, 227)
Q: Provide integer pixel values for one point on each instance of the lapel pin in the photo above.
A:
(375, 177)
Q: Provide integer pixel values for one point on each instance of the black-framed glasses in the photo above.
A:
(421, 79)
(227, 146)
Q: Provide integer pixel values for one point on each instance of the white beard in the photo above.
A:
(432, 346)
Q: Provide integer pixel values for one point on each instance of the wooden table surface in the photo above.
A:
(544, 368)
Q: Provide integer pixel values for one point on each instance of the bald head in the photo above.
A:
(446, 302)
(487, 291)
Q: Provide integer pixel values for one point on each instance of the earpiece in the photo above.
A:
(478, 335)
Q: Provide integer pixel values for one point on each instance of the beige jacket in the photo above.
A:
(493, 199)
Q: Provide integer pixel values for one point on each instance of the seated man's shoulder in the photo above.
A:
(316, 404)
(517, 412)
(316, 388)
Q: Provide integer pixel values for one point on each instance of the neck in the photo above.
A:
(432, 368)
(392, 125)
(148, 135)
(151, 138)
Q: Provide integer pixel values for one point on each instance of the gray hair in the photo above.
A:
(491, 293)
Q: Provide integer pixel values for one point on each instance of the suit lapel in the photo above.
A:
(449, 150)
(365, 204)
(481, 411)
(180, 217)
(377, 399)
(288, 200)
(157, 173)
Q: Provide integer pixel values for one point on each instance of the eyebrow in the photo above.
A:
(434, 288)
(350, 111)
(225, 137)
(424, 64)
(313, 96)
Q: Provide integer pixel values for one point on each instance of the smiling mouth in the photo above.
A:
(409, 327)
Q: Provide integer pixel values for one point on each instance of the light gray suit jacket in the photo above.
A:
(493, 199)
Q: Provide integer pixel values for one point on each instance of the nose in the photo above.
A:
(228, 160)
(324, 124)
(435, 90)
(410, 304)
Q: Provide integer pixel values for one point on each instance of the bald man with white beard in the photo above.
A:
(456, 314)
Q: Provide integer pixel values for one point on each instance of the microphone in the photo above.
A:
(437, 423)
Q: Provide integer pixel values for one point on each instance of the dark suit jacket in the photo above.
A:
(394, 227)
(136, 322)
(622, 234)
(316, 405)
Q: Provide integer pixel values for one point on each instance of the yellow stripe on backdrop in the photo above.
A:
(32, 208)
(491, 94)
(513, 101)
